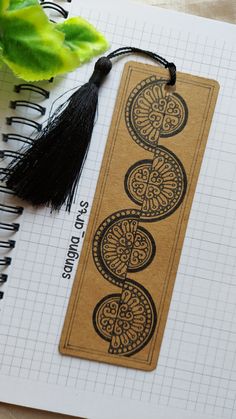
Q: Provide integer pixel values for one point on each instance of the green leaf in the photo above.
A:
(35, 48)
(82, 38)
(4, 4)
(21, 4)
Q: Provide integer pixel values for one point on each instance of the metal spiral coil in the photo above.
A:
(54, 6)
(27, 104)
(14, 210)
(33, 88)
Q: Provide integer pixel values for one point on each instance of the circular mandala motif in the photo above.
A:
(105, 314)
(150, 113)
(126, 320)
(159, 186)
(136, 180)
(120, 245)
(143, 250)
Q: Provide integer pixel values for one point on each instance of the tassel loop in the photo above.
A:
(172, 70)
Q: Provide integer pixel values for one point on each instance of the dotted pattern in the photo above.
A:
(171, 115)
(114, 221)
(197, 367)
(141, 185)
(142, 328)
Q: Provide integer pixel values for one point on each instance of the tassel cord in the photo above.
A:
(132, 50)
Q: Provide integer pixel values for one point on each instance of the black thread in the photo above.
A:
(172, 69)
(130, 50)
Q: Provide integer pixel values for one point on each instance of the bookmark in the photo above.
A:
(122, 291)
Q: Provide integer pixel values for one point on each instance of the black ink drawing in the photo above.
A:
(121, 247)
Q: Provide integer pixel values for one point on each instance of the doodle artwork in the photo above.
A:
(120, 246)
(122, 291)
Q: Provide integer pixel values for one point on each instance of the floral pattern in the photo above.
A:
(126, 320)
(117, 246)
(151, 114)
(158, 186)
(121, 246)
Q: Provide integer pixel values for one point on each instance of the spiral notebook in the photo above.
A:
(196, 372)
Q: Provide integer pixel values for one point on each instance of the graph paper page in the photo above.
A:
(196, 372)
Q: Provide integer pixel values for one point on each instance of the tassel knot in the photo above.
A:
(102, 67)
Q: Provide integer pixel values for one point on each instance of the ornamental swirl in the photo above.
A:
(121, 246)
(151, 114)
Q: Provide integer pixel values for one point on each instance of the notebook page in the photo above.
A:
(196, 373)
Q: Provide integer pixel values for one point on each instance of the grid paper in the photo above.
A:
(196, 372)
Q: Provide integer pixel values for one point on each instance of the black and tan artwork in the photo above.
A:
(121, 296)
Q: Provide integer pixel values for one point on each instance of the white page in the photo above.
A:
(196, 372)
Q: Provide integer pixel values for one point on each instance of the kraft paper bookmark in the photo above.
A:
(122, 291)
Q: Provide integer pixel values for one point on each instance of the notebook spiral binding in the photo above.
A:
(15, 210)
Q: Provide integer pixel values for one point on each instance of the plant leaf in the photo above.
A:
(82, 38)
(36, 49)
(4, 4)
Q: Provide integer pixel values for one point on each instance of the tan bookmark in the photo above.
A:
(123, 286)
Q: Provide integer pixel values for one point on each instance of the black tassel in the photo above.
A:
(50, 169)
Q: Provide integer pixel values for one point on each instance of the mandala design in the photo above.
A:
(151, 114)
(105, 314)
(120, 245)
(176, 115)
(143, 250)
(127, 320)
(158, 185)
(136, 180)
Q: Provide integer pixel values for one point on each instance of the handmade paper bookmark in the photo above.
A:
(122, 290)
